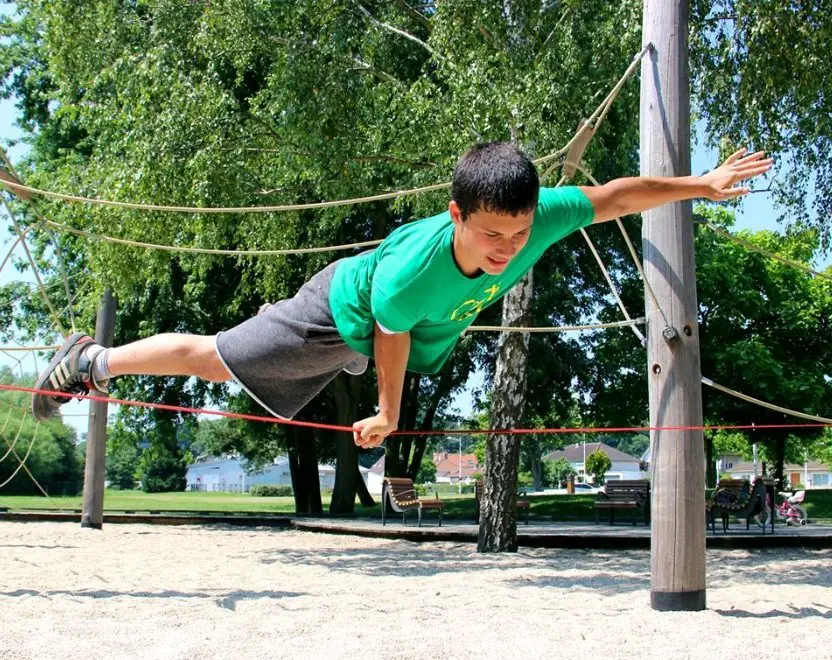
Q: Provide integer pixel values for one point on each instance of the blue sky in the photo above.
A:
(756, 212)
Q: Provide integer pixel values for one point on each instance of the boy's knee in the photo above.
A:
(206, 362)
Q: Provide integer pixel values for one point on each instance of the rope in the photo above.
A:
(195, 250)
(12, 248)
(19, 187)
(599, 114)
(22, 239)
(28, 451)
(601, 111)
(31, 476)
(333, 427)
(764, 404)
(771, 255)
(612, 286)
(16, 437)
(631, 247)
(562, 328)
(706, 381)
(30, 348)
(58, 253)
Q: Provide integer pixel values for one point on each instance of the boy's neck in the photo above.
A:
(464, 264)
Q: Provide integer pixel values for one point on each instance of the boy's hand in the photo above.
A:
(371, 432)
(719, 183)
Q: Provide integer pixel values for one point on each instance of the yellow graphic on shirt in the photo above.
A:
(474, 306)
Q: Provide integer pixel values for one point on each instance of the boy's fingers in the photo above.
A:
(736, 155)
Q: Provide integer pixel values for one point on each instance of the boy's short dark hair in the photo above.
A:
(496, 177)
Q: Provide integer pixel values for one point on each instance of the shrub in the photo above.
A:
(263, 490)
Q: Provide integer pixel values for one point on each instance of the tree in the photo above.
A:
(561, 469)
(744, 56)
(760, 328)
(47, 449)
(122, 457)
(427, 471)
(235, 104)
(597, 464)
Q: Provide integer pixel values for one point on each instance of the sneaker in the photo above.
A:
(70, 371)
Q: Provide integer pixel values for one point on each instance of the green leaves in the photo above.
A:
(760, 78)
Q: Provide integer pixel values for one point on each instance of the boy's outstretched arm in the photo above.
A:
(391, 353)
(636, 194)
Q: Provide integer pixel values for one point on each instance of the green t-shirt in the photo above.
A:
(411, 281)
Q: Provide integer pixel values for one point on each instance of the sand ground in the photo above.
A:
(137, 591)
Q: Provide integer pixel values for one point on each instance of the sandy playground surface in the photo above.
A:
(137, 591)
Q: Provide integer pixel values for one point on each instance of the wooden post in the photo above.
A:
(93, 508)
(677, 463)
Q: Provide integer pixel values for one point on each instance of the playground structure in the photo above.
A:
(675, 426)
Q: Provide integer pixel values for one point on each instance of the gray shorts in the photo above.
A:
(287, 354)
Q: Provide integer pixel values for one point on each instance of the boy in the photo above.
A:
(405, 303)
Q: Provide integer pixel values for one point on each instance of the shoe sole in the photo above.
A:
(40, 410)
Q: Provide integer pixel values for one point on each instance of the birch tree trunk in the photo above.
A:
(498, 513)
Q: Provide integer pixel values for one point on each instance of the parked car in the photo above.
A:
(586, 488)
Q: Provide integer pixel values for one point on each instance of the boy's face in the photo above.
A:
(488, 241)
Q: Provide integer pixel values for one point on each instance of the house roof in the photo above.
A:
(575, 453)
(448, 465)
(378, 466)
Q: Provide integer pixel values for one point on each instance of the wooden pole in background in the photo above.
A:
(677, 462)
(93, 508)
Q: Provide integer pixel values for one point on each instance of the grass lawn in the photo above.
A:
(136, 500)
(460, 507)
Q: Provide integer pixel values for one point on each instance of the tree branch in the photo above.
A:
(378, 73)
(395, 159)
(720, 17)
(396, 30)
(554, 29)
(415, 15)
(362, 65)
(488, 36)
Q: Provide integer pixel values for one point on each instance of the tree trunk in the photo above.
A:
(535, 454)
(307, 485)
(498, 515)
(361, 490)
(420, 444)
(780, 460)
(710, 465)
(347, 390)
(409, 414)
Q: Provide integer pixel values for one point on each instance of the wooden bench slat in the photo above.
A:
(624, 494)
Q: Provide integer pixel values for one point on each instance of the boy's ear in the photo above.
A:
(456, 212)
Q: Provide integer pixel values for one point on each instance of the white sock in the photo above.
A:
(100, 371)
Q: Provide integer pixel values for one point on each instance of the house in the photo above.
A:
(455, 468)
(624, 466)
(375, 477)
(447, 470)
(228, 475)
(811, 474)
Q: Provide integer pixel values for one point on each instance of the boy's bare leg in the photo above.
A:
(169, 355)
(81, 365)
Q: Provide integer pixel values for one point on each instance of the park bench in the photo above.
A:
(402, 497)
(738, 498)
(522, 505)
(626, 494)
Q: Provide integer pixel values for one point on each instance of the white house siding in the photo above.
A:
(375, 482)
(620, 470)
(227, 475)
